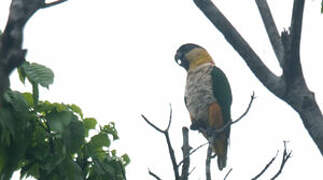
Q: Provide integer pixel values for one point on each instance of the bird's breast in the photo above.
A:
(199, 92)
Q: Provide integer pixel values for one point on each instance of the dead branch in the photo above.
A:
(186, 151)
(193, 151)
(153, 174)
(170, 148)
(291, 86)
(266, 167)
(286, 156)
(216, 132)
(228, 173)
(208, 162)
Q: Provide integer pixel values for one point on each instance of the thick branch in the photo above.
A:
(291, 87)
(270, 81)
(11, 53)
(271, 29)
(296, 26)
(292, 70)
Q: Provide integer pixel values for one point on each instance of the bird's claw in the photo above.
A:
(195, 126)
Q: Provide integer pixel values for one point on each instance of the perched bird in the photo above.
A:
(207, 96)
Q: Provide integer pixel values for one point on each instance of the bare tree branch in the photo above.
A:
(228, 173)
(218, 131)
(285, 158)
(170, 117)
(170, 148)
(215, 132)
(269, 80)
(153, 175)
(266, 167)
(271, 29)
(292, 71)
(47, 5)
(208, 162)
(152, 125)
(296, 26)
(186, 151)
(194, 150)
(291, 86)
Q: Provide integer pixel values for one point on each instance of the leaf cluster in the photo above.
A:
(52, 141)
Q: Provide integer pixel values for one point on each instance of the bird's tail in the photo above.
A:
(220, 148)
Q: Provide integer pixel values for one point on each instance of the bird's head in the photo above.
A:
(189, 56)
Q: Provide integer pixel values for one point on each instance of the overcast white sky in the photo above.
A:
(115, 59)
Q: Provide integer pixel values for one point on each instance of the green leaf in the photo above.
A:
(7, 124)
(110, 129)
(58, 121)
(73, 136)
(28, 98)
(76, 109)
(126, 159)
(72, 170)
(89, 123)
(98, 141)
(22, 73)
(17, 100)
(39, 74)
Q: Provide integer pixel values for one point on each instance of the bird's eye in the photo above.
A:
(179, 61)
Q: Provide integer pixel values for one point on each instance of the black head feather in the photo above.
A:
(182, 51)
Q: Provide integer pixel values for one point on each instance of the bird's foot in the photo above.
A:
(210, 132)
(195, 126)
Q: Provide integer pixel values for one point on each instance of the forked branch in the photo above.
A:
(286, 156)
(170, 148)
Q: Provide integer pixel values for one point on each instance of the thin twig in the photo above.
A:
(170, 117)
(286, 156)
(170, 148)
(193, 151)
(266, 167)
(152, 125)
(191, 171)
(153, 175)
(216, 132)
(47, 5)
(228, 173)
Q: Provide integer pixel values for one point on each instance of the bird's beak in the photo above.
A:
(180, 60)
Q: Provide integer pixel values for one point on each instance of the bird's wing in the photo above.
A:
(222, 92)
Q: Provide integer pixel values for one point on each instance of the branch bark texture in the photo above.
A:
(11, 53)
(290, 86)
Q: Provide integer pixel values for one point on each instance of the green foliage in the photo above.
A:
(51, 141)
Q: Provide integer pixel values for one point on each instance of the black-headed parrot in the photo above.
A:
(208, 96)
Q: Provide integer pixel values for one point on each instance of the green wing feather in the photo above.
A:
(222, 92)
